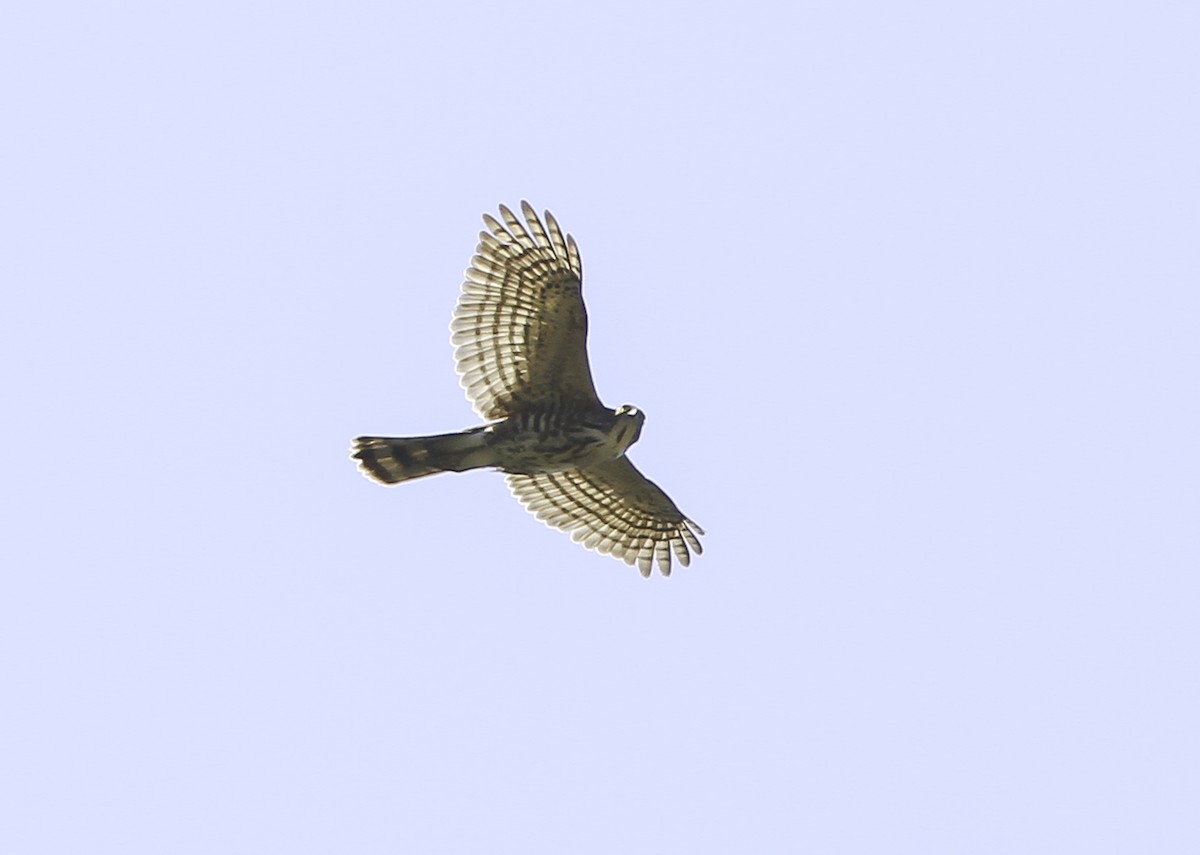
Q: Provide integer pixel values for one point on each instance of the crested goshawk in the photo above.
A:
(520, 336)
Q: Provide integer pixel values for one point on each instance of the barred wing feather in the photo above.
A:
(520, 327)
(613, 509)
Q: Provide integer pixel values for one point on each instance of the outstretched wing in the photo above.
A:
(520, 328)
(614, 509)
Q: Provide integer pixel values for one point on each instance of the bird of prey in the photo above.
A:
(520, 337)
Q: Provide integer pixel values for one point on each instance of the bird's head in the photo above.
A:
(629, 425)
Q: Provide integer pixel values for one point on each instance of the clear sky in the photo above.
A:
(910, 293)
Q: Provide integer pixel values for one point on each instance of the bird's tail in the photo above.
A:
(390, 459)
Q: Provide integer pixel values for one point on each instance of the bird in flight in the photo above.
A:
(520, 337)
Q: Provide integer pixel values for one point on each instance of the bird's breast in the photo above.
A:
(538, 443)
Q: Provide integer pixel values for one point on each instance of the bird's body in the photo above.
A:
(526, 443)
(520, 331)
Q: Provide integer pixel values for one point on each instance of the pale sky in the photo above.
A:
(910, 294)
